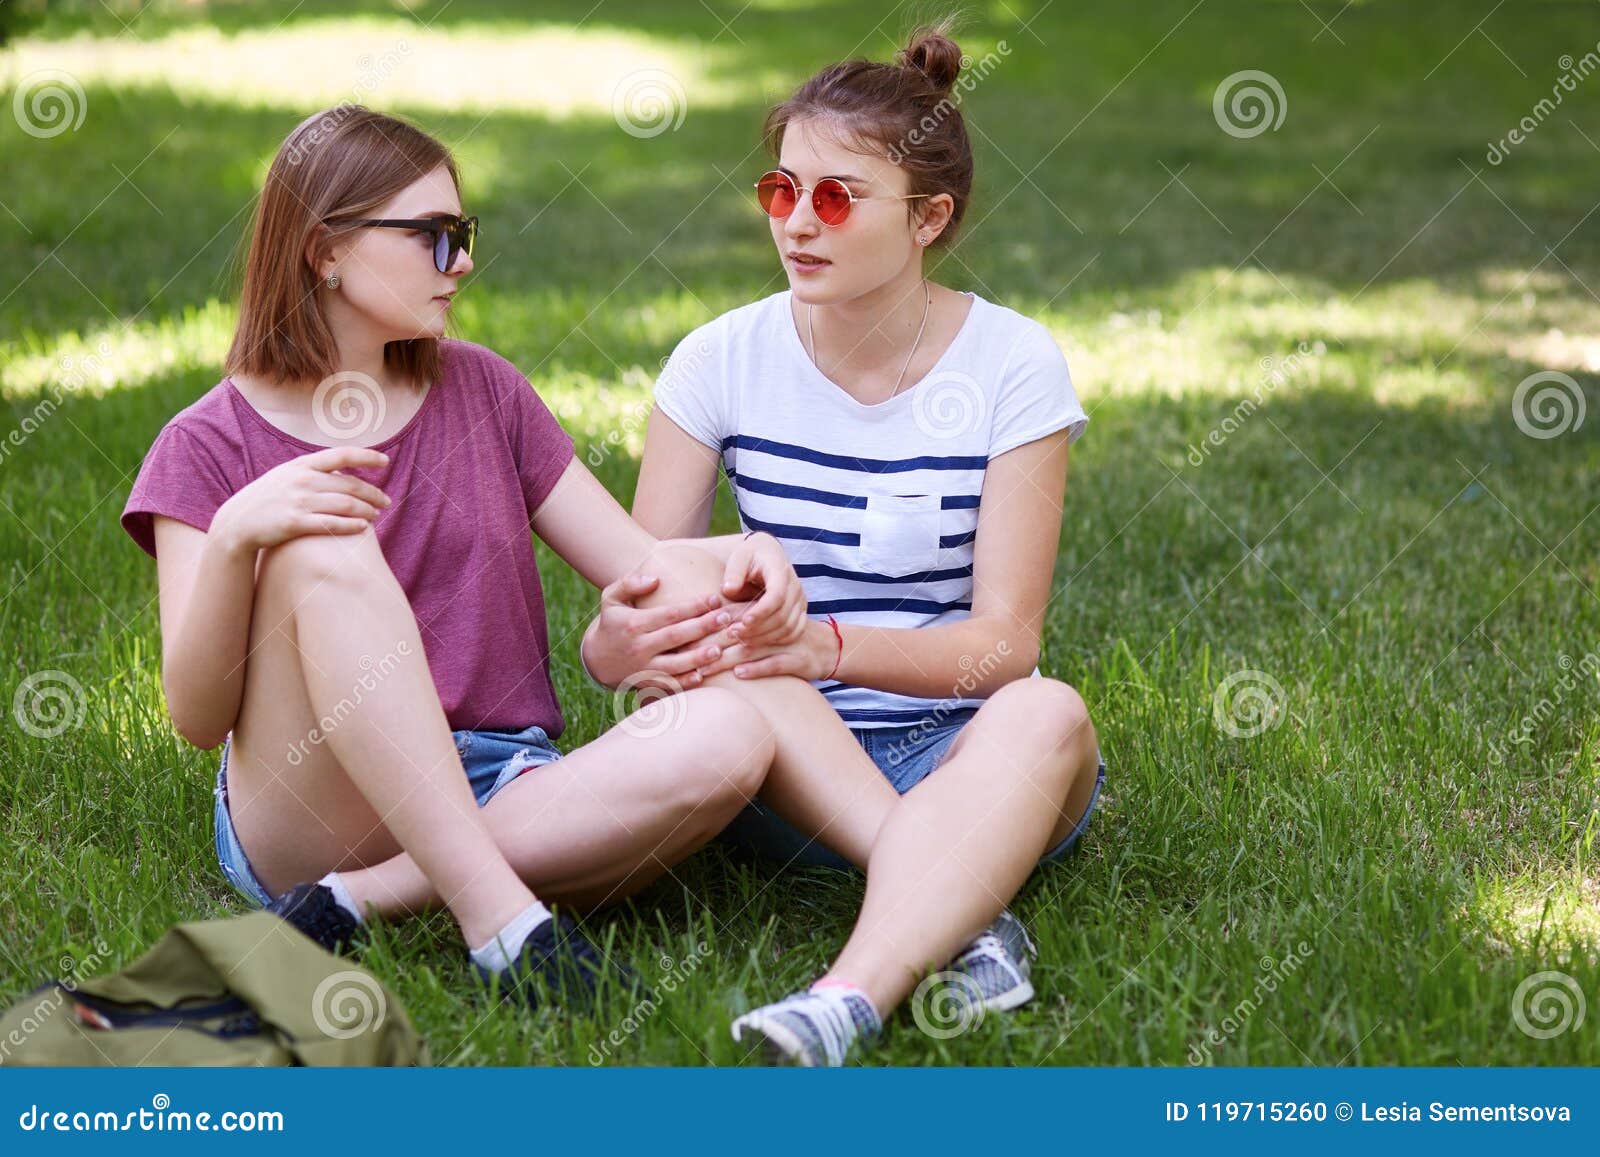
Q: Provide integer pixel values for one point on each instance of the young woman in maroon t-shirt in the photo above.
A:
(349, 598)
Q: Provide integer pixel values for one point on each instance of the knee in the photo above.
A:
(733, 748)
(685, 572)
(1051, 709)
(316, 560)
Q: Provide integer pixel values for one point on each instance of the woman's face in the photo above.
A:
(387, 277)
(877, 241)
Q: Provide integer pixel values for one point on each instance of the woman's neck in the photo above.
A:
(871, 332)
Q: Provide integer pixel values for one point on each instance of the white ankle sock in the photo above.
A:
(342, 894)
(506, 945)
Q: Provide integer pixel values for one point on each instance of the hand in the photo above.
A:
(812, 656)
(660, 641)
(305, 495)
(758, 569)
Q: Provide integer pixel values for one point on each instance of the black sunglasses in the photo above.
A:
(450, 235)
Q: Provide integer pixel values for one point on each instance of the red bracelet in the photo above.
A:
(840, 656)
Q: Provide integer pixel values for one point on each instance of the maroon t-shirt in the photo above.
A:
(465, 476)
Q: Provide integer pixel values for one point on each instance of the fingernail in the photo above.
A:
(713, 652)
(724, 619)
(741, 671)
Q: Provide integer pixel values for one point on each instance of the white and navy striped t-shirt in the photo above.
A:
(876, 505)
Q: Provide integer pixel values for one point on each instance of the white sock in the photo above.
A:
(506, 945)
(334, 884)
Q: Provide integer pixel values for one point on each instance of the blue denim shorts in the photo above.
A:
(906, 756)
(492, 759)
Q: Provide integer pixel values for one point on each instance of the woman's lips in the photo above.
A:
(814, 265)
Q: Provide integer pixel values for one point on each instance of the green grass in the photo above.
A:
(1414, 605)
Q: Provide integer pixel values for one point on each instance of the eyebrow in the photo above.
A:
(835, 176)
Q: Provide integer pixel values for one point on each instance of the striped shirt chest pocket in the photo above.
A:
(900, 533)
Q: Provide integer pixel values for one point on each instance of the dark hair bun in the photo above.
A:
(935, 55)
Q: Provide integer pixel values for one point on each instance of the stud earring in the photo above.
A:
(332, 281)
(922, 239)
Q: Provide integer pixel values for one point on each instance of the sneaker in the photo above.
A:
(313, 911)
(813, 1029)
(558, 960)
(998, 963)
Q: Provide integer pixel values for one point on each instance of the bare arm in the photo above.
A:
(588, 528)
(207, 596)
(207, 578)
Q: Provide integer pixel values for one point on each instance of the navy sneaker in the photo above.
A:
(313, 911)
(559, 961)
(812, 1029)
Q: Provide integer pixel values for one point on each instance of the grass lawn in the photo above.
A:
(1306, 504)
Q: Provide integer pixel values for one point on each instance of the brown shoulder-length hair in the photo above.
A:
(337, 166)
(907, 109)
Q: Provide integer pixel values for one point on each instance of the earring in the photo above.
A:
(922, 239)
(332, 281)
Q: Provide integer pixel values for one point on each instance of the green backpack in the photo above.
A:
(244, 991)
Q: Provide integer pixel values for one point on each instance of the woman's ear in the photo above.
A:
(935, 216)
(319, 252)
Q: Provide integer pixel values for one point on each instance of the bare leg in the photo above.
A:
(963, 841)
(323, 772)
(814, 774)
(610, 817)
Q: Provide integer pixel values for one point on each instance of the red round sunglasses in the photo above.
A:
(831, 198)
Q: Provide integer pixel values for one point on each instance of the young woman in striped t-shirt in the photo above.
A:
(907, 444)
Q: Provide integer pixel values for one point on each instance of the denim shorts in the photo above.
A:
(492, 759)
(906, 756)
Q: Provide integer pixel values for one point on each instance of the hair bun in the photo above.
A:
(935, 55)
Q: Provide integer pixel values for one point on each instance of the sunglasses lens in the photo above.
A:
(443, 252)
(776, 194)
(831, 200)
